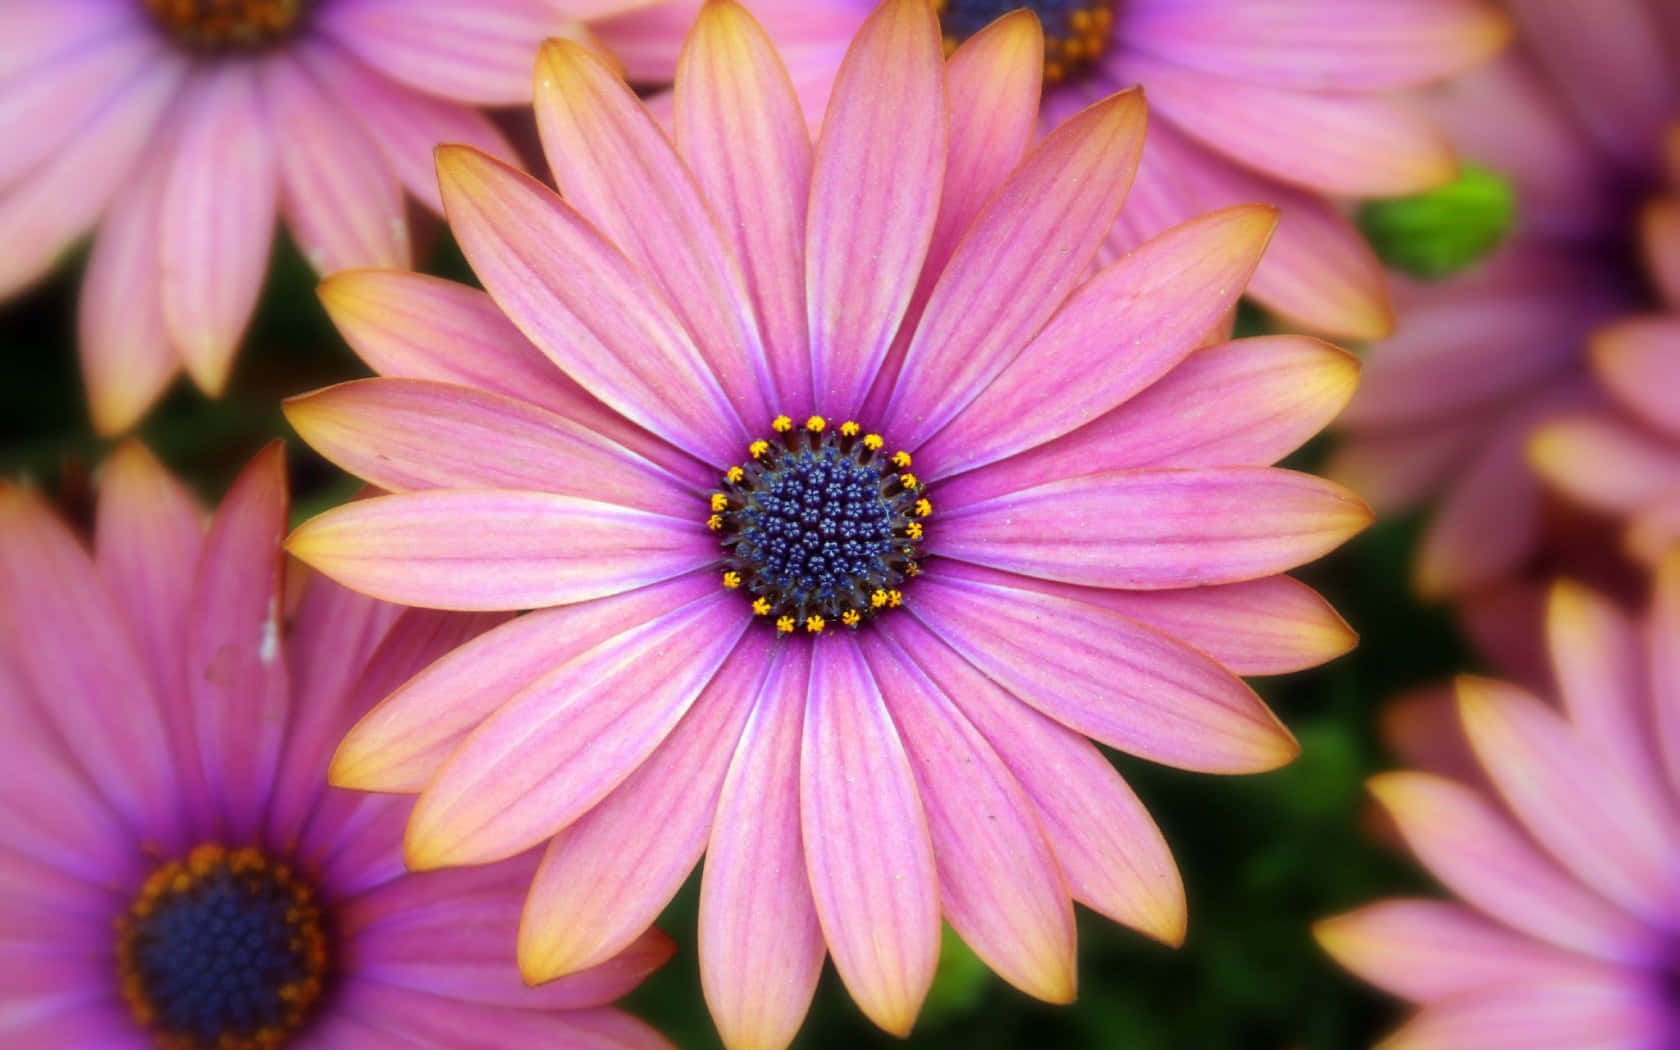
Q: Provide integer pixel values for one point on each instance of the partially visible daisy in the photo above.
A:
(182, 128)
(1288, 102)
(833, 597)
(175, 871)
(1562, 847)
(1624, 459)
(1575, 118)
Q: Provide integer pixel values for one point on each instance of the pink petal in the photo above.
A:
(411, 326)
(1324, 44)
(1591, 815)
(399, 744)
(487, 549)
(1120, 332)
(372, 1015)
(875, 186)
(1428, 951)
(1602, 461)
(1473, 848)
(761, 949)
(42, 110)
(128, 357)
(237, 679)
(1360, 145)
(1638, 360)
(1398, 469)
(1036, 237)
(999, 884)
(72, 650)
(867, 848)
(60, 200)
(1101, 674)
(33, 34)
(739, 127)
(404, 124)
(1154, 529)
(585, 305)
(1659, 227)
(218, 219)
(407, 434)
(1609, 1013)
(1112, 854)
(1271, 625)
(560, 745)
(1663, 661)
(343, 203)
(1245, 403)
(617, 168)
(606, 878)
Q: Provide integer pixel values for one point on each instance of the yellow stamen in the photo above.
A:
(873, 442)
(816, 424)
(850, 617)
(850, 428)
(781, 424)
(735, 474)
(732, 580)
(895, 599)
(761, 607)
(720, 502)
(814, 624)
(784, 625)
(908, 480)
(759, 448)
(715, 522)
(878, 599)
(924, 507)
(914, 529)
(901, 460)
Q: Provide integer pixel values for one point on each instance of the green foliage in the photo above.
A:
(1440, 232)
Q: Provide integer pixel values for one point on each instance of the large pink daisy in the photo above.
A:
(176, 872)
(832, 596)
(183, 127)
(1576, 118)
(1561, 843)
(1288, 102)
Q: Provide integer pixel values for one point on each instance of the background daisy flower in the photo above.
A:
(184, 127)
(176, 871)
(831, 595)
(1576, 119)
(1287, 102)
(1561, 852)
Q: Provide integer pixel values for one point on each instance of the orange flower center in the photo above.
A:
(1076, 32)
(227, 25)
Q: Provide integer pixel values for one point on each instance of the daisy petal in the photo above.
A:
(397, 745)
(1663, 625)
(875, 186)
(40, 112)
(739, 127)
(614, 165)
(1137, 319)
(761, 949)
(496, 549)
(1114, 857)
(218, 220)
(1659, 227)
(999, 885)
(1610, 1013)
(1036, 237)
(1476, 852)
(606, 878)
(1427, 951)
(1155, 529)
(867, 850)
(1602, 461)
(1638, 361)
(406, 434)
(1103, 675)
(559, 746)
(578, 298)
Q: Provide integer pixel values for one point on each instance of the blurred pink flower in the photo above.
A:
(167, 738)
(1575, 117)
(1287, 102)
(183, 127)
(1068, 499)
(1560, 843)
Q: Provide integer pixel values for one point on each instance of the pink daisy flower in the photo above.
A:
(176, 871)
(1576, 119)
(184, 127)
(1288, 102)
(828, 593)
(1560, 844)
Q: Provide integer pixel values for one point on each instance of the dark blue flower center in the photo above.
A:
(223, 950)
(1076, 32)
(227, 25)
(820, 526)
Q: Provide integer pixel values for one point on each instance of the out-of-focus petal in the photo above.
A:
(1600, 460)
(1663, 656)
(1638, 360)
(1610, 1013)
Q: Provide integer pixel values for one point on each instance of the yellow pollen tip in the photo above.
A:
(912, 570)
(784, 625)
(924, 507)
(915, 530)
(850, 428)
(715, 522)
(720, 502)
(873, 442)
(901, 460)
(735, 474)
(781, 424)
(814, 624)
(732, 580)
(908, 480)
(878, 599)
(816, 424)
(761, 607)
(851, 617)
(895, 599)
(759, 448)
